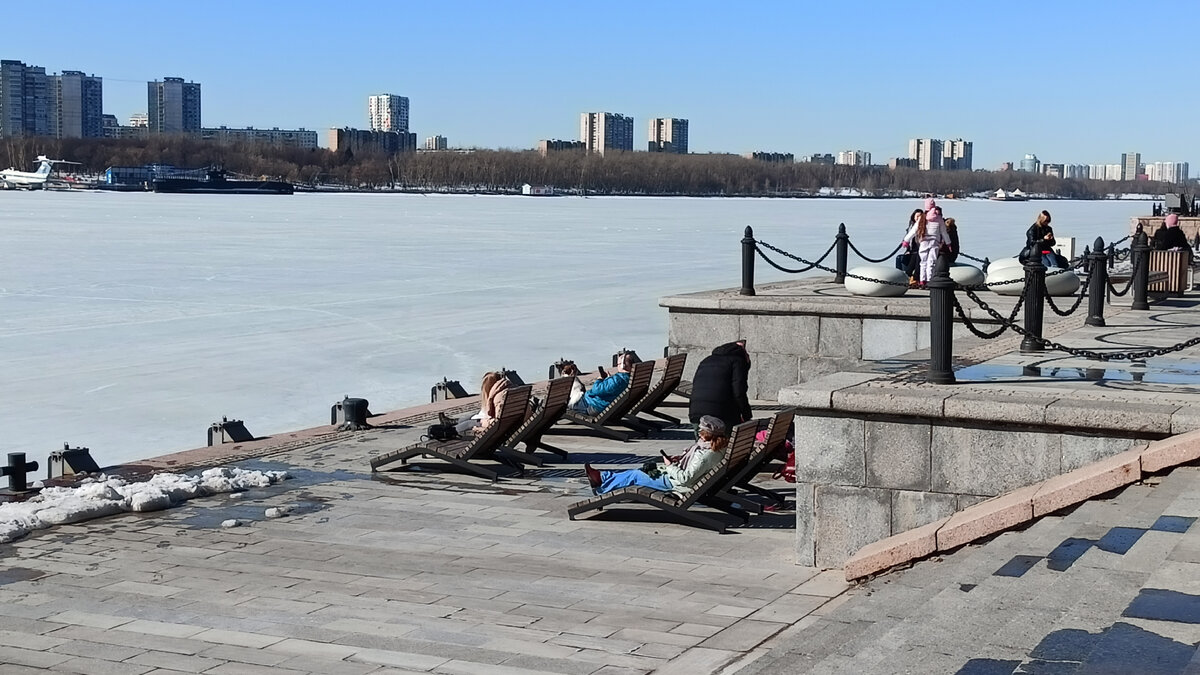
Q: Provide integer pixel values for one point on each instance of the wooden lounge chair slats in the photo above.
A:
(704, 491)
(486, 444)
(614, 413)
(739, 476)
(671, 375)
(535, 426)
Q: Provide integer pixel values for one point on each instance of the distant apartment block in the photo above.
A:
(1053, 170)
(173, 106)
(1104, 171)
(854, 158)
(280, 138)
(76, 105)
(668, 134)
(363, 140)
(1131, 165)
(139, 120)
(819, 158)
(771, 157)
(1167, 172)
(602, 132)
(956, 155)
(388, 112)
(545, 147)
(1005, 166)
(927, 152)
(437, 142)
(24, 100)
(901, 163)
(1031, 164)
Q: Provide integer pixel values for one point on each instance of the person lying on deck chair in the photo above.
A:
(678, 474)
(603, 391)
(492, 390)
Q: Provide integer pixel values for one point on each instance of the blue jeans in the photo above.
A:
(1049, 260)
(613, 480)
(581, 406)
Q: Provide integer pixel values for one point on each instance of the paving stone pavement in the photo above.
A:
(403, 572)
(1112, 586)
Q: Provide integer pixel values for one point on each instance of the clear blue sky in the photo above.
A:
(1070, 80)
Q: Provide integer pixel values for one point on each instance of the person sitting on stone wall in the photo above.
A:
(677, 474)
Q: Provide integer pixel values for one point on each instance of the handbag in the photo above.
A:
(652, 470)
(442, 432)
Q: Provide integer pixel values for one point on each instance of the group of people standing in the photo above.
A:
(929, 236)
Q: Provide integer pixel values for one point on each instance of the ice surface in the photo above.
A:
(130, 322)
(104, 496)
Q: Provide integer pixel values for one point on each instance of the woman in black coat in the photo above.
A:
(720, 386)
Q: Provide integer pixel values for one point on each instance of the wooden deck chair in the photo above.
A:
(551, 409)
(740, 477)
(671, 375)
(669, 501)
(487, 444)
(639, 382)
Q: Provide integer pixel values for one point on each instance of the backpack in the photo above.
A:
(442, 432)
(788, 472)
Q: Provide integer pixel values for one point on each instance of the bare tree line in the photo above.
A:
(628, 173)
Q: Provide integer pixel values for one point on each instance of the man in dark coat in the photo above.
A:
(720, 387)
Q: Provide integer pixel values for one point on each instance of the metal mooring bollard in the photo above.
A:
(1097, 284)
(843, 248)
(1035, 292)
(17, 471)
(1140, 252)
(748, 245)
(941, 324)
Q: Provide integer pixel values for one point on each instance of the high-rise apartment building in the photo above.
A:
(602, 132)
(24, 100)
(1076, 171)
(1167, 172)
(927, 152)
(1131, 165)
(77, 105)
(668, 134)
(437, 142)
(956, 155)
(545, 147)
(1031, 164)
(173, 106)
(388, 112)
(1054, 170)
(854, 158)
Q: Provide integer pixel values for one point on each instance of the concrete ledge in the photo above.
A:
(1123, 415)
(986, 518)
(1087, 482)
(1170, 452)
(817, 394)
(999, 408)
(894, 550)
(891, 400)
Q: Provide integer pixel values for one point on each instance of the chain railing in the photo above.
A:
(1068, 312)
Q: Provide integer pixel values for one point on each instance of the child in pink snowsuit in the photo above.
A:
(929, 235)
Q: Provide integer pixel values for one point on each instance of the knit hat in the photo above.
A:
(712, 425)
(929, 203)
(1172, 220)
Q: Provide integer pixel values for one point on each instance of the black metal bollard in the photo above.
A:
(17, 471)
(1097, 284)
(1140, 252)
(941, 324)
(843, 248)
(1035, 292)
(748, 246)
(1112, 255)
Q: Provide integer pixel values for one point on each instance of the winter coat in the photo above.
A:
(604, 392)
(720, 386)
(1034, 238)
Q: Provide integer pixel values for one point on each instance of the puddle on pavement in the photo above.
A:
(1066, 553)
(1172, 524)
(1120, 539)
(1175, 373)
(1164, 605)
(11, 575)
(238, 509)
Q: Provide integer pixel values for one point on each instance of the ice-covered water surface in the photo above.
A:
(130, 322)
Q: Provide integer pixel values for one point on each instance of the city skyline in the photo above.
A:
(762, 89)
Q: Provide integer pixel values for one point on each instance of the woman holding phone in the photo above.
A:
(676, 474)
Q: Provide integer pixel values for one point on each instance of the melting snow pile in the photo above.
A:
(104, 496)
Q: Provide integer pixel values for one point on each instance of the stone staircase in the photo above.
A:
(1112, 586)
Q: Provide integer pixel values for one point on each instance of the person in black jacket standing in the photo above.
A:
(720, 387)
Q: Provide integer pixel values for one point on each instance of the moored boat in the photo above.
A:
(216, 181)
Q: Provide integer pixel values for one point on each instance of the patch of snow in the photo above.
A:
(105, 496)
(232, 522)
(278, 511)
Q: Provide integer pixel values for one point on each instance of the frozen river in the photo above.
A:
(130, 322)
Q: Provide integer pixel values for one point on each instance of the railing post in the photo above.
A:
(1097, 284)
(1140, 252)
(941, 324)
(748, 249)
(1112, 255)
(843, 241)
(1035, 291)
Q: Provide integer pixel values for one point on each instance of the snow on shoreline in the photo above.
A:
(105, 496)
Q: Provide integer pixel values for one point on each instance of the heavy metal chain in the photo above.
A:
(1087, 353)
(980, 301)
(872, 260)
(810, 265)
(818, 265)
(1128, 285)
(1069, 312)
